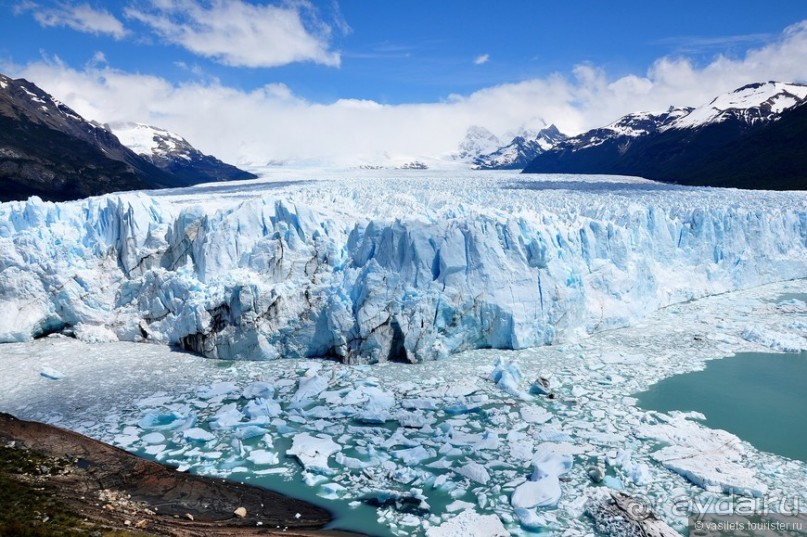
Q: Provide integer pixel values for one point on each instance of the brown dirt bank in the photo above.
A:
(52, 476)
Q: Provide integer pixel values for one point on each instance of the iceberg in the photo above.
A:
(380, 268)
(313, 451)
(469, 523)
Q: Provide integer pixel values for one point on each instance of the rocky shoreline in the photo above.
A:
(86, 487)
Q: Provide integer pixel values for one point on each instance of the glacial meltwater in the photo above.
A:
(758, 396)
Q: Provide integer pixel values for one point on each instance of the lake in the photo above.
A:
(760, 397)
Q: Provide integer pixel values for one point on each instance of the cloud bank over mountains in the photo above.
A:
(271, 123)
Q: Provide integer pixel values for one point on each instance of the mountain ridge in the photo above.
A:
(521, 150)
(703, 146)
(48, 150)
(172, 153)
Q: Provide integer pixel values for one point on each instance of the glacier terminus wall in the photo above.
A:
(384, 267)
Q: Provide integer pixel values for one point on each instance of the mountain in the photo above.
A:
(478, 141)
(48, 150)
(173, 154)
(752, 137)
(520, 151)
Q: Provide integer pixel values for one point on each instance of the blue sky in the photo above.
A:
(371, 63)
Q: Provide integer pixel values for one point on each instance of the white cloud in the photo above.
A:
(79, 17)
(481, 59)
(272, 123)
(237, 33)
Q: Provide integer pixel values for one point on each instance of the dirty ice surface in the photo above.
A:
(461, 446)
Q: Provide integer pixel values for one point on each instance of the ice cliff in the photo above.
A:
(384, 268)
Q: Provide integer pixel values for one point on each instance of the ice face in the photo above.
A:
(376, 269)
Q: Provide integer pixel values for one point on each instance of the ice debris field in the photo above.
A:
(468, 445)
(381, 266)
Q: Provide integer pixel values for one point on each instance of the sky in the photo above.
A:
(372, 82)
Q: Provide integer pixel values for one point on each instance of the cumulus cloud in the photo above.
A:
(241, 34)
(481, 59)
(272, 123)
(79, 17)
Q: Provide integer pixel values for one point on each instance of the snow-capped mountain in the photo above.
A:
(49, 150)
(172, 153)
(751, 104)
(520, 151)
(478, 141)
(624, 129)
(727, 142)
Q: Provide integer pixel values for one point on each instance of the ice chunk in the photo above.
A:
(166, 421)
(779, 341)
(543, 492)
(313, 451)
(529, 519)
(550, 460)
(711, 469)
(226, 417)
(507, 376)
(263, 457)
(153, 438)
(217, 389)
(50, 373)
(245, 432)
(90, 333)
(475, 472)
(309, 387)
(258, 389)
(196, 434)
(488, 440)
(331, 491)
(541, 386)
(707, 457)
(458, 505)
(543, 487)
(155, 450)
(469, 523)
(534, 414)
(260, 408)
(415, 455)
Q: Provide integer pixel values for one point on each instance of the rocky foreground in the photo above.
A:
(63, 483)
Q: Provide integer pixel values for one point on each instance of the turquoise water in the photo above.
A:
(361, 519)
(791, 296)
(760, 397)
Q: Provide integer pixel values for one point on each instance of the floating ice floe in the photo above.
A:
(469, 523)
(543, 487)
(313, 451)
(707, 457)
(197, 434)
(50, 373)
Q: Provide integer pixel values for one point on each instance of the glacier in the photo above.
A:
(375, 266)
